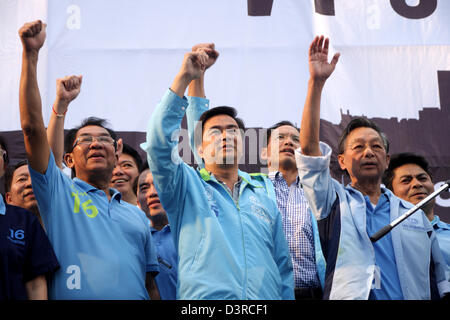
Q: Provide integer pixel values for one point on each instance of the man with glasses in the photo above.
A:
(103, 243)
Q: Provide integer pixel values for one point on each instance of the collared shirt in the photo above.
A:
(297, 227)
(442, 230)
(104, 246)
(386, 285)
(235, 192)
(25, 251)
(168, 263)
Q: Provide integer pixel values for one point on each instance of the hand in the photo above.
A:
(209, 49)
(319, 68)
(194, 64)
(67, 89)
(32, 35)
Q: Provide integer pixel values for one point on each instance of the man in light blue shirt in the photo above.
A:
(226, 225)
(103, 244)
(148, 201)
(405, 264)
(409, 177)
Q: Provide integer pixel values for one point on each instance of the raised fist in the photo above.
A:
(209, 49)
(32, 35)
(68, 88)
(194, 64)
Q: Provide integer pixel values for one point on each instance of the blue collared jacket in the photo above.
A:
(341, 214)
(226, 250)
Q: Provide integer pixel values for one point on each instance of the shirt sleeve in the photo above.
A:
(197, 106)
(314, 174)
(171, 176)
(40, 258)
(151, 255)
(44, 185)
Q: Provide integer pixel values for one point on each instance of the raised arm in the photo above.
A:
(319, 70)
(196, 95)
(67, 89)
(32, 36)
(162, 139)
(193, 67)
(196, 86)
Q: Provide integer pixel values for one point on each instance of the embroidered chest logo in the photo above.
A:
(258, 210)
(16, 236)
(87, 206)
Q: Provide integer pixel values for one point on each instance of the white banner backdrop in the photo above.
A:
(129, 52)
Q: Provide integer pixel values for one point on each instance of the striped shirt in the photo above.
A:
(297, 227)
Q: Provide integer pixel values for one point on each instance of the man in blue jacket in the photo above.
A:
(227, 229)
(404, 264)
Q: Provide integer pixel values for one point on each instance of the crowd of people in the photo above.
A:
(122, 228)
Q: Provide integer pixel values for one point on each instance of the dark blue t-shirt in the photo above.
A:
(25, 251)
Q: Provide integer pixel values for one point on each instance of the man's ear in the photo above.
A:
(200, 150)
(264, 153)
(341, 161)
(68, 159)
(119, 148)
(8, 197)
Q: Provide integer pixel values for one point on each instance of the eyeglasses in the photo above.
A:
(87, 140)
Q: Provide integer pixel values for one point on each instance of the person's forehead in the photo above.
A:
(220, 120)
(124, 157)
(145, 176)
(286, 130)
(22, 170)
(93, 131)
(363, 134)
(409, 169)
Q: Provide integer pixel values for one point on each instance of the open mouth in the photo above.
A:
(119, 181)
(228, 146)
(154, 203)
(96, 156)
(287, 151)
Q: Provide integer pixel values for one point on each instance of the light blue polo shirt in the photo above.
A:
(386, 285)
(105, 248)
(168, 263)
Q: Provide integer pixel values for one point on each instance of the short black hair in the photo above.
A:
(400, 159)
(360, 122)
(129, 150)
(9, 173)
(225, 110)
(4, 147)
(69, 140)
(276, 126)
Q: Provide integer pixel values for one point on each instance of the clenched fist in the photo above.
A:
(68, 88)
(209, 49)
(32, 35)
